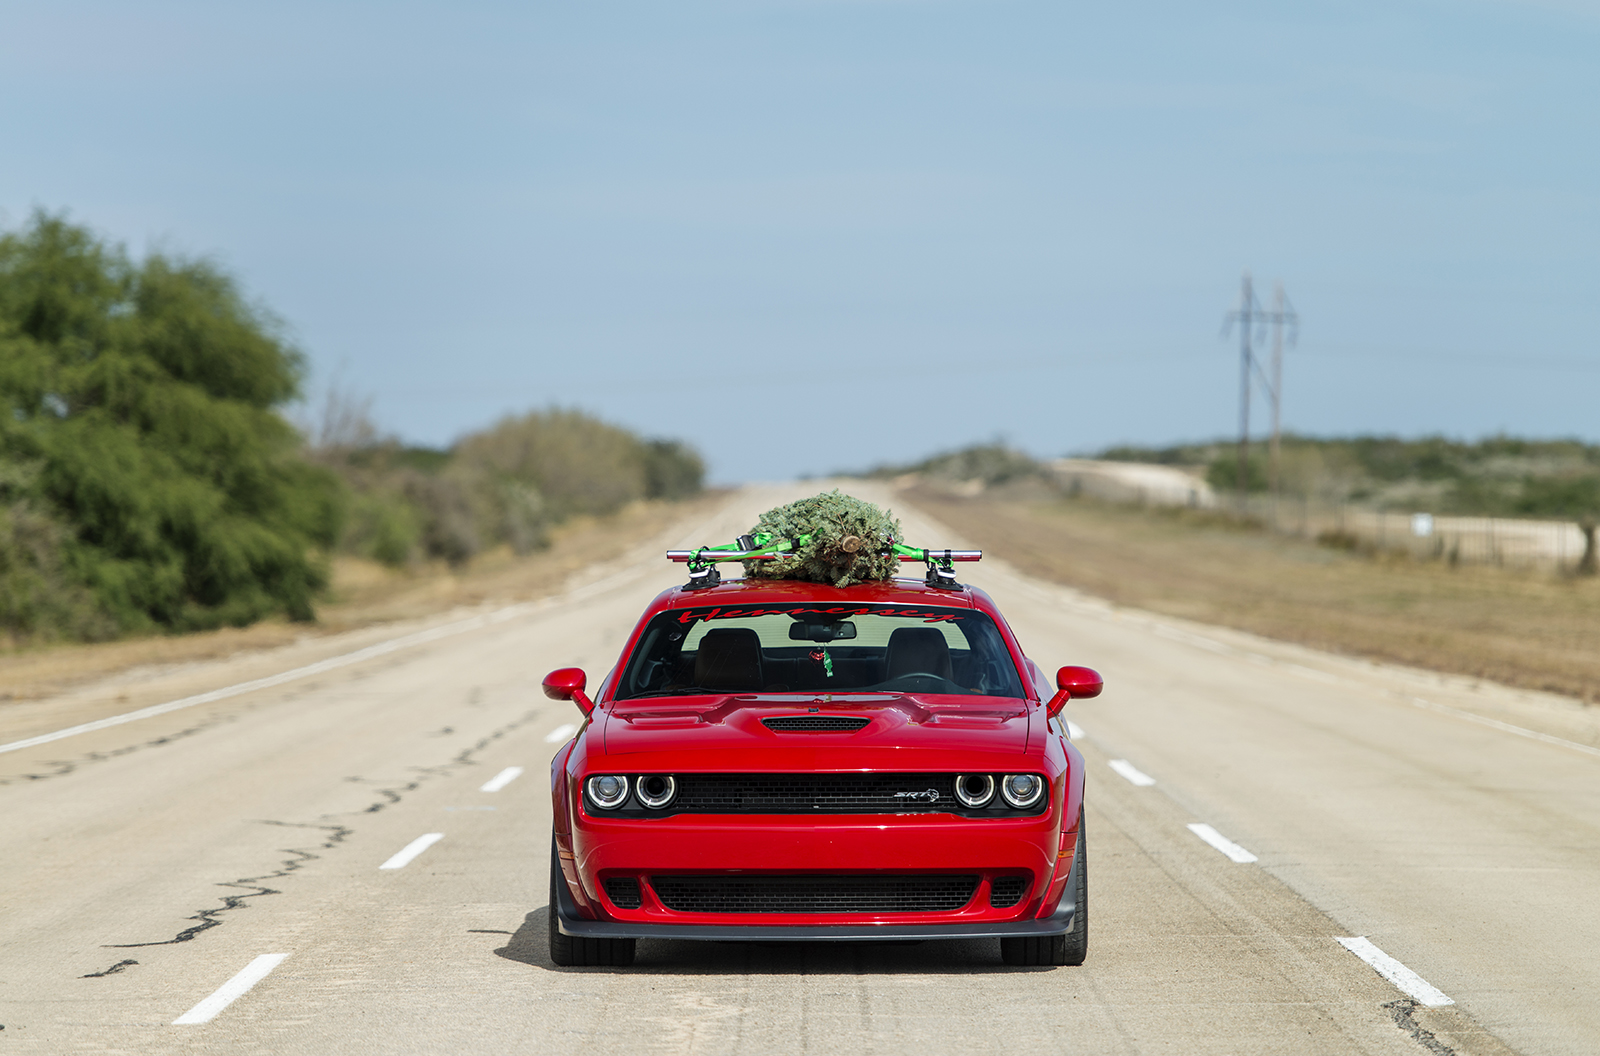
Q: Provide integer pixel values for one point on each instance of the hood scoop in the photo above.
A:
(815, 723)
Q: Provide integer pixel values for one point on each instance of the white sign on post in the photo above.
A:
(1422, 525)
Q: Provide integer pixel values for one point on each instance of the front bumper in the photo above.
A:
(600, 848)
(571, 923)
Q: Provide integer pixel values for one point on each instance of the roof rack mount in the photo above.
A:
(760, 546)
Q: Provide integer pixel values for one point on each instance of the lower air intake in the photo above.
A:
(1007, 891)
(623, 891)
(814, 894)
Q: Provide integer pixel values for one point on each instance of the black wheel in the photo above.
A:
(1070, 948)
(573, 951)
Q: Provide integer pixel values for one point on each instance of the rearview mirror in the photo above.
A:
(1075, 683)
(566, 683)
(808, 631)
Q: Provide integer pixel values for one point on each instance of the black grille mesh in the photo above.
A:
(814, 894)
(814, 793)
(1007, 891)
(814, 723)
(623, 892)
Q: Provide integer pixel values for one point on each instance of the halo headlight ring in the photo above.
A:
(1021, 791)
(974, 791)
(607, 791)
(656, 791)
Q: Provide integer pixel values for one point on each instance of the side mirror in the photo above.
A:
(567, 683)
(1075, 683)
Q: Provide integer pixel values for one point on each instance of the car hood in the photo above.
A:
(894, 721)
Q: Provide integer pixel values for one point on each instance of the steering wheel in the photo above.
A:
(921, 682)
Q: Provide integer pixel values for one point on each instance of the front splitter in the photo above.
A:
(570, 923)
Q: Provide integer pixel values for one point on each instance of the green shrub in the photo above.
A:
(672, 469)
(145, 395)
(528, 473)
(1223, 472)
(991, 463)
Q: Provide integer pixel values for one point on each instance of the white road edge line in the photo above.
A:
(561, 734)
(502, 779)
(1504, 727)
(393, 645)
(1132, 773)
(1408, 982)
(230, 991)
(332, 663)
(403, 857)
(1222, 843)
(1075, 731)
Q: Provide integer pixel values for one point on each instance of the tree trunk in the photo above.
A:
(1587, 565)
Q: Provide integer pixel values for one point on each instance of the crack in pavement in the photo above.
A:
(395, 794)
(208, 918)
(63, 767)
(120, 966)
(1400, 1011)
(254, 887)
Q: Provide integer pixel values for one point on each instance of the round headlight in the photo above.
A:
(608, 790)
(1022, 790)
(974, 790)
(656, 790)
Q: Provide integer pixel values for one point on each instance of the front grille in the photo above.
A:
(814, 894)
(1005, 891)
(623, 891)
(814, 723)
(814, 793)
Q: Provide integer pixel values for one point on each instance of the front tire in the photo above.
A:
(1071, 948)
(575, 951)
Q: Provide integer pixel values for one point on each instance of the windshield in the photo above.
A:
(806, 648)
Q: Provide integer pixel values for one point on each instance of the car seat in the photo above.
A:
(729, 658)
(917, 651)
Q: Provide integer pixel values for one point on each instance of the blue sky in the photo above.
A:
(814, 235)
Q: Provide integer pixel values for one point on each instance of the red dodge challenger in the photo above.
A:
(775, 760)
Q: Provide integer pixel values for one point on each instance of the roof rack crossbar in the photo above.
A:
(760, 546)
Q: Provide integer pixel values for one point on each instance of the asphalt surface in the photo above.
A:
(149, 863)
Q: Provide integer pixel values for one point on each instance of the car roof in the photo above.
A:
(791, 591)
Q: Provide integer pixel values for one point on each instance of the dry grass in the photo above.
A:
(363, 594)
(1527, 629)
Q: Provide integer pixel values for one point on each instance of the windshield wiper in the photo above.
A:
(673, 691)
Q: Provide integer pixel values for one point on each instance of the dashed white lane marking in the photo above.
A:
(1131, 772)
(561, 733)
(1410, 983)
(1075, 731)
(403, 857)
(230, 991)
(1222, 843)
(502, 779)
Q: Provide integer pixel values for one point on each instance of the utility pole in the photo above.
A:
(1248, 316)
(1282, 314)
(1252, 322)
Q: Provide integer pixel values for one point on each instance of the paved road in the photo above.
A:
(149, 863)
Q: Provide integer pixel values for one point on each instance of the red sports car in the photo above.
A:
(781, 760)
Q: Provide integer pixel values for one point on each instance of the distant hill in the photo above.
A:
(1498, 476)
